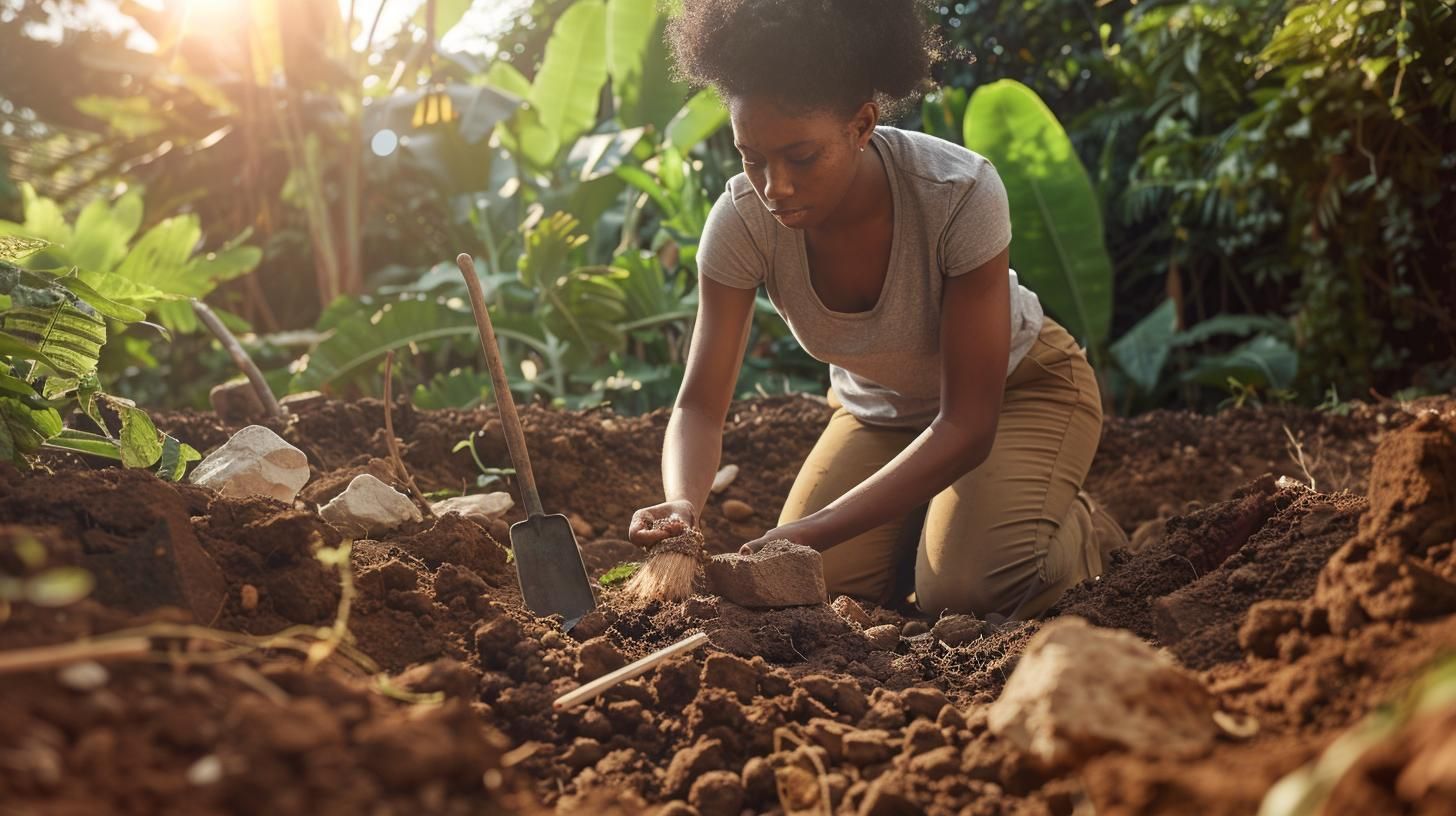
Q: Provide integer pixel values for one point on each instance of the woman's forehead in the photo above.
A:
(768, 128)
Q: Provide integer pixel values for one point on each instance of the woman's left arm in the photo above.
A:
(975, 341)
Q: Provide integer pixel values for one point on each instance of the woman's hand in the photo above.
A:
(802, 532)
(651, 525)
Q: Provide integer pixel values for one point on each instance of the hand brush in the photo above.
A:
(671, 565)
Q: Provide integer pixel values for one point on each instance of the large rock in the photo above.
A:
(254, 462)
(1079, 691)
(781, 574)
(485, 507)
(369, 507)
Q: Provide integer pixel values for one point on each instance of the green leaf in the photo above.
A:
(88, 443)
(460, 388)
(141, 445)
(619, 574)
(698, 119)
(600, 154)
(176, 455)
(1144, 349)
(105, 305)
(70, 338)
(102, 232)
(18, 247)
(1058, 246)
(14, 386)
(361, 339)
(1263, 361)
(19, 349)
(24, 429)
(640, 66)
(566, 89)
(1241, 325)
(447, 14)
(59, 586)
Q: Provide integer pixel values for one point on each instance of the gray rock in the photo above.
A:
(956, 630)
(369, 507)
(254, 462)
(885, 637)
(781, 574)
(483, 506)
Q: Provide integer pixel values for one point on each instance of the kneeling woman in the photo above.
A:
(886, 252)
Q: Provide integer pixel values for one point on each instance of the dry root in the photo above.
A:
(670, 569)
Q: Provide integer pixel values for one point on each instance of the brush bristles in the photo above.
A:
(667, 576)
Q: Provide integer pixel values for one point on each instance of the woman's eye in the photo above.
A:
(809, 159)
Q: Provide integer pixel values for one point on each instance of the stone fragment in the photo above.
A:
(580, 526)
(849, 609)
(583, 753)
(735, 510)
(924, 702)
(914, 628)
(86, 675)
(885, 637)
(731, 673)
(1079, 691)
(598, 657)
(302, 401)
(248, 597)
(483, 507)
(691, 763)
(369, 507)
(781, 574)
(957, 630)
(868, 747)
(723, 478)
(717, 793)
(235, 401)
(254, 462)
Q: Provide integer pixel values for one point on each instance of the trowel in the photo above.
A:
(548, 561)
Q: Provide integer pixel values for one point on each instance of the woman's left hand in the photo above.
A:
(803, 532)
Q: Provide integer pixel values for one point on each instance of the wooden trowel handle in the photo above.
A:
(510, 422)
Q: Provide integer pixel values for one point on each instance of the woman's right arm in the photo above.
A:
(694, 441)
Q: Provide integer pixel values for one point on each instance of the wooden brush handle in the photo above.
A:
(596, 687)
(510, 422)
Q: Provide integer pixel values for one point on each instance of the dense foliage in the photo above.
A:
(1255, 190)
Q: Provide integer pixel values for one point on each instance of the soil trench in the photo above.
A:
(1302, 602)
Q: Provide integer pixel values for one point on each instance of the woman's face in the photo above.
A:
(800, 164)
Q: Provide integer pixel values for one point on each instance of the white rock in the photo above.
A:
(87, 675)
(1079, 691)
(369, 507)
(484, 506)
(723, 478)
(205, 771)
(255, 462)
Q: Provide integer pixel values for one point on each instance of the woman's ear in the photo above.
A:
(863, 123)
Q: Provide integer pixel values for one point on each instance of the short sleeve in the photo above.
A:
(726, 252)
(979, 226)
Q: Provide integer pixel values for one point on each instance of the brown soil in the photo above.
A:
(788, 710)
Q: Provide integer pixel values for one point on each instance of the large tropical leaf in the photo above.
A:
(1264, 361)
(638, 62)
(1144, 349)
(566, 89)
(360, 339)
(24, 429)
(1057, 245)
(69, 335)
(699, 118)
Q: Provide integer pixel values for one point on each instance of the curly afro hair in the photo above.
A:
(808, 55)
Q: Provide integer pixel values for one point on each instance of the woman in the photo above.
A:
(886, 253)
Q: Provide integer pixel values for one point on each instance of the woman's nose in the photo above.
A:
(777, 187)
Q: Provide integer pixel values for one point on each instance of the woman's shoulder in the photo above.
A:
(932, 160)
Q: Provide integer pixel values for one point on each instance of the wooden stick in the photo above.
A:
(240, 358)
(394, 454)
(591, 690)
(49, 657)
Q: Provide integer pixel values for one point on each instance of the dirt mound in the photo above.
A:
(1305, 608)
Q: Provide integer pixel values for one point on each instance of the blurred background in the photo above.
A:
(1234, 202)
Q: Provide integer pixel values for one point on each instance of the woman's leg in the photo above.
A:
(1010, 536)
(847, 453)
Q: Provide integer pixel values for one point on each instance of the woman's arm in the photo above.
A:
(975, 340)
(694, 440)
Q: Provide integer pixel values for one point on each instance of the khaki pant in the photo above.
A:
(1008, 537)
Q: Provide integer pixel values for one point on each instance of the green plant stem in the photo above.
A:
(240, 358)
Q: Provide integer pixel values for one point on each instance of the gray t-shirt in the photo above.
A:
(951, 216)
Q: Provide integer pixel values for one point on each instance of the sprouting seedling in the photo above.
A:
(488, 475)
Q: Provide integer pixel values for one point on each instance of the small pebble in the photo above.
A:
(205, 771)
(580, 526)
(88, 675)
(248, 597)
(735, 510)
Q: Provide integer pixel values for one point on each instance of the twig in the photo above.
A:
(240, 358)
(49, 657)
(596, 687)
(399, 468)
(1296, 451)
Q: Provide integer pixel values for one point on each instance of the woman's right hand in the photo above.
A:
(651, 525)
